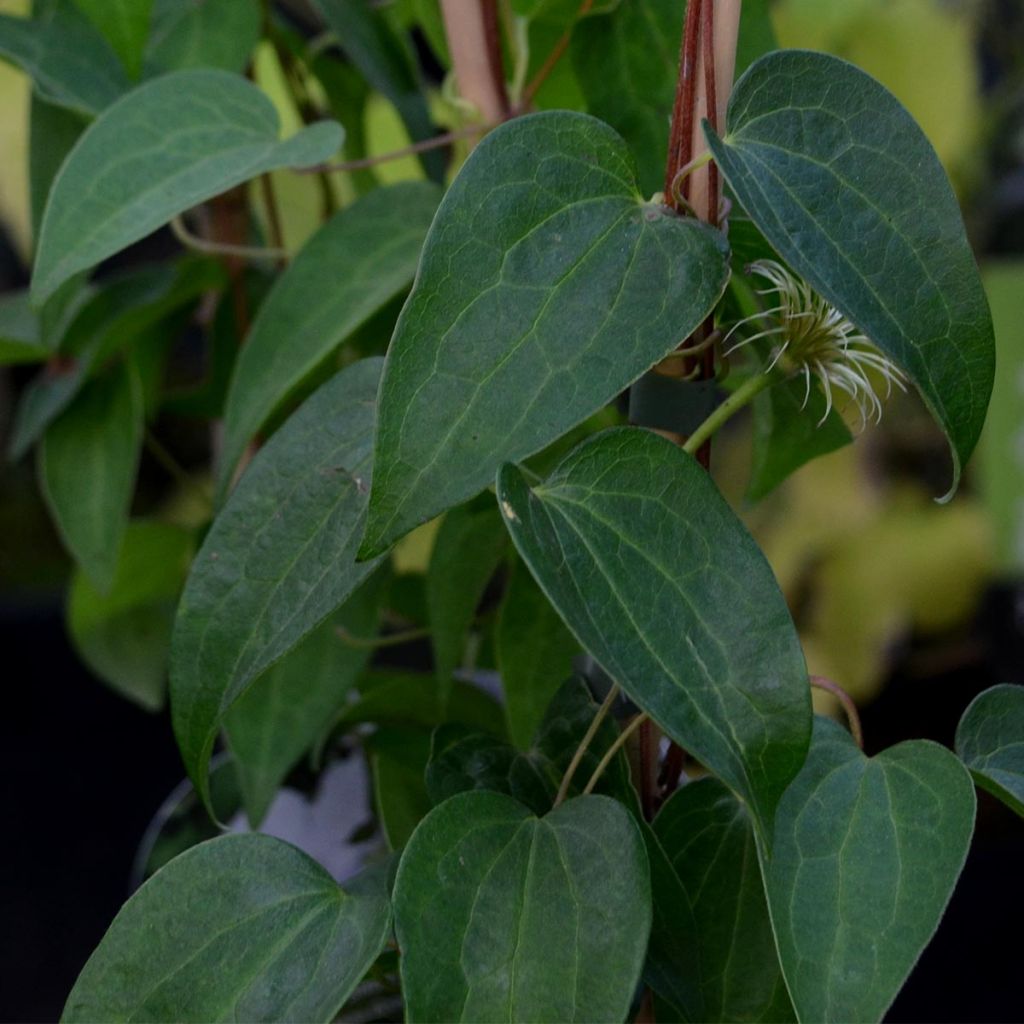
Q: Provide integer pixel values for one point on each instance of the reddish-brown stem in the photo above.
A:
(556, 54)
(852, 716)
(680, 139)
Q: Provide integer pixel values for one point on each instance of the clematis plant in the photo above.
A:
(605, 796)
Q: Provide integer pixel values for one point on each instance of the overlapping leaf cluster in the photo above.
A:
(797, 879)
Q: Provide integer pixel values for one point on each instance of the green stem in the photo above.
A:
(741, 397)
(619, 743)
(602, 711)
(373, 642)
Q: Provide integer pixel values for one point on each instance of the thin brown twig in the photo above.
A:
(423, 146)
(852, 716)
(556, 54)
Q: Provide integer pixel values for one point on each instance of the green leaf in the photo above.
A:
(535, 653)
(122, 180)
(277, 561)
(672, 969)
(990, 741)
(212, 34)
(461, 759)
(369, 252)
(1001, 468)
(244, 927)
(398, 760)
(627, 63)
(124, 635)
(53, 131)
(546, 287)
(730, 956)
(650, 568)
(845, 185)
(88, 461)
(468, 547)
(757, 36)
(504, 916)
(20, 335)
(789, 433)
(866, 854)
(419, 699)
(284, 712)
(68, 60)
(386, 62)
(124, 24)
(95, 325)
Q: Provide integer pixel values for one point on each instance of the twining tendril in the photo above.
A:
(810, 336)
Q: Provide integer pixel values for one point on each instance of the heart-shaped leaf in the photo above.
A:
(866, 854)
(650, 568)
(504, 916)
(729, 957)
(244, 927)
(277, 561)
(546, 287)
(990, 741)
(846, 186)
(123, 179)
(87, 465)
(369, 252)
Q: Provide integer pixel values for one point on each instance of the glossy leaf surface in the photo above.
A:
(990, 741)
(278, 560)
(866, 854)
(87, 466)
(546, 286)
(636, 548)
(360, 260)
(504, 916)
(848, 189)
(730, 956)
(244, 927)
(123, 180)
